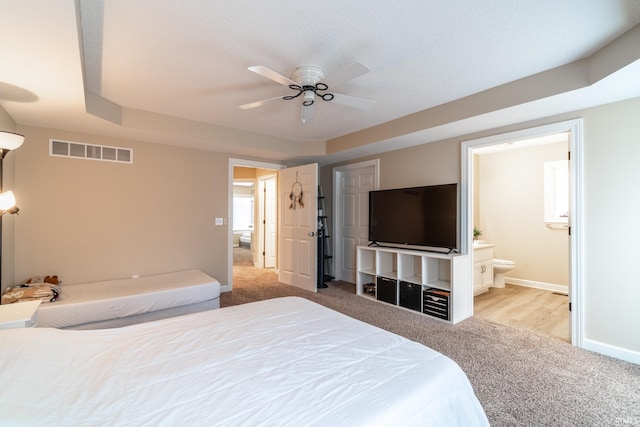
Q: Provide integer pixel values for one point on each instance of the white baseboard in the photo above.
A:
(562, 289)
(591, 345)
(613, 351)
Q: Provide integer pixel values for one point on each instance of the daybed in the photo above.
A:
(124, 302)
(279, 362)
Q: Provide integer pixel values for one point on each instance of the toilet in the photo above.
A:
(500, 267)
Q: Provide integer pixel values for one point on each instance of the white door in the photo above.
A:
(352, 215)
(270, 226)
(266, 227)
(298, 225)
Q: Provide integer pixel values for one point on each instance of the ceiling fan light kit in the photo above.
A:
(307, 81)
(309, 77)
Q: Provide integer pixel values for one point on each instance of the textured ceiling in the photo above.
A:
(141, 66)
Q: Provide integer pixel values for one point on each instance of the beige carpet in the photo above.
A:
(242, 257)
(521, 378)
(244, 274)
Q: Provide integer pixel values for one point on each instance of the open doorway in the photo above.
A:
(252, 219)
(243, 220)
(297, 224)
(572, 230)
(521, 252)
(253, 223)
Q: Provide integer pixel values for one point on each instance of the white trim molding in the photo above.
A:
(612, 351)
(561, 289)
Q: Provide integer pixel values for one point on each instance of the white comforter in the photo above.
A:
(281, 362)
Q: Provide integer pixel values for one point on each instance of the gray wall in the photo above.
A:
(87, 220)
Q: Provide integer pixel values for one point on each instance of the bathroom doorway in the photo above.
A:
(506, 199)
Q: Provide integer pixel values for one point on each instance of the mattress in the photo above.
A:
(279, 362)
(211, 304)
(116, 299)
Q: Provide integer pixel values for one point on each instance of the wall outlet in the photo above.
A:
(219, 221)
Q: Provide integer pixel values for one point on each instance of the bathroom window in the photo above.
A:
(556, 192)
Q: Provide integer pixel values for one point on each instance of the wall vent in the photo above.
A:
(81, 150)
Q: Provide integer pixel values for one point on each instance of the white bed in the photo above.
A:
(280, 362)
(122, 302)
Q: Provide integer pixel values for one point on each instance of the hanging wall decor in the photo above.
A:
(296, 195)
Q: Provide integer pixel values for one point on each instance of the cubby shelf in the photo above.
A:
(406, 278)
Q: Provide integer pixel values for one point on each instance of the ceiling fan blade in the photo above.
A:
(352, 101)
(348, 73)
(258, 103)
(272, 75)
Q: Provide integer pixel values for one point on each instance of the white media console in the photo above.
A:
(432, 283)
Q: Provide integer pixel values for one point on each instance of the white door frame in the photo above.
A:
(576, 269)
(337, 206)
(261, 229)
(232, 163)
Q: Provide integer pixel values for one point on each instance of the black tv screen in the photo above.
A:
(418, 216)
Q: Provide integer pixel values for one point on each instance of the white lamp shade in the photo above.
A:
(7, 200)
(10, 140)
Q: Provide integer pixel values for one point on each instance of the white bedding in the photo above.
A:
(280, 362)
(116, 299)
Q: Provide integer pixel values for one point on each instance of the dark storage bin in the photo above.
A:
(436, 303)
(387, 290)
(410, 294)
(369, 289)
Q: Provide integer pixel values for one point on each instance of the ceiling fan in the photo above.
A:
(307, 82)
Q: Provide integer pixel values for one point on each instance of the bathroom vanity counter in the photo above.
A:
(481, 245)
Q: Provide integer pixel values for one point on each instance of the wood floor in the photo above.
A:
(544, 312)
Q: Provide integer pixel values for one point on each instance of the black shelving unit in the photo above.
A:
(325, 259)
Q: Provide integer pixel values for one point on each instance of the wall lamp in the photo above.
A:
(8, 203)
(9, 141)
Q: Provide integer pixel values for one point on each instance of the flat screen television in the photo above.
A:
(417, 216)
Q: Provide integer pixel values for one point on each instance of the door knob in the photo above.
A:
(312, 234)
